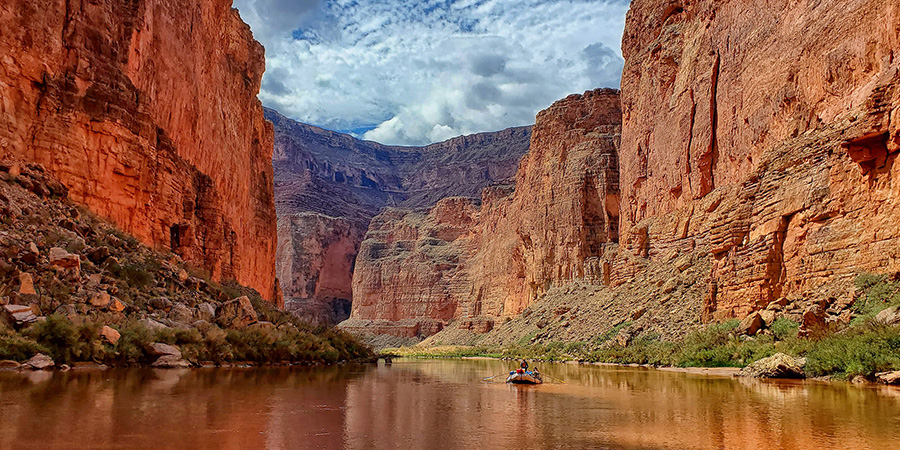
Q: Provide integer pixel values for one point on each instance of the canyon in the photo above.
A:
(146, 111)
(329, 186)
(747, 165)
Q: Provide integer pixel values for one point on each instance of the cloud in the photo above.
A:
(415, 72)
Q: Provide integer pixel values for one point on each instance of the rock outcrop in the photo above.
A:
(329, 185)
(146, 111)
(478, 261)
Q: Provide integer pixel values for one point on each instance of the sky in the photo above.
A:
(413, 72)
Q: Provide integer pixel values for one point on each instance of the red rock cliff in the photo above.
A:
(417, 271)
(767, 132)
(147, 111)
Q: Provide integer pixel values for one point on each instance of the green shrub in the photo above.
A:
(58, 335)
(863, 350)
(878, 293)
(784, 328)
(133, 275)
(611, 333)
(133, 339)
(19, 348)
(718, 346)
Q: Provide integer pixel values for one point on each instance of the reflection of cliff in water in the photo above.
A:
(442, 404)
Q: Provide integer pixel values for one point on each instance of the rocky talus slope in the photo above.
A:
(755, 173)
(329, 185)
(74, 286)
(146, 111)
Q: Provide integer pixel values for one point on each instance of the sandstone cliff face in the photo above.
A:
(416, 271)
(329, 186)
(766, 131)
(147, 111)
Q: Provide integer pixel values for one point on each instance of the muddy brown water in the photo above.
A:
(437, 404)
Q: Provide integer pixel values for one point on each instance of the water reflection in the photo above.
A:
(437, 404)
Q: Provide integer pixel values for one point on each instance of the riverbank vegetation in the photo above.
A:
(69, 340)
(865, 346)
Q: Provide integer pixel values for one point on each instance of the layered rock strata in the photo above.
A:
(329, 185)
(766, 131)
(147, 112)
(479, 261)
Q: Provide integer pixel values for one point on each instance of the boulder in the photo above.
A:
(89, 365)
(181, 314)
(183, 275)
(8, 364)
(66, 310)
(152, 325)
(59, 258)
(98, 255)
(38, 362)
(768, 317)
(26, 284)
(206, 311)
(778, 365)
(160, 349)
(237, 313)
(18, 316)
(892, 378)
(100, 299)
(889, 316)
(116, 305)
(94, 280)
(751, 324)
(30, 255)
(109, 335)
(170, 362)
(637, 313)
(161, 303)
(813, 320)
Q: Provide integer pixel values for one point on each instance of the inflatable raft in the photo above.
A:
(520, 376)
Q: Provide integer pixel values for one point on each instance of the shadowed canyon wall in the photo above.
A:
(329, 185)
(758, 142)
(147, 111)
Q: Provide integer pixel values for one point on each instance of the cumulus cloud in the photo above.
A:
(416, 72)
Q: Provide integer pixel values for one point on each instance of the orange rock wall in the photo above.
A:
(147, 111)
(767, 132)
(411, 271)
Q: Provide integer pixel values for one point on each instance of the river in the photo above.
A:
(437, 404)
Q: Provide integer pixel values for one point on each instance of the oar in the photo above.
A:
(495, 376)
(553, 378)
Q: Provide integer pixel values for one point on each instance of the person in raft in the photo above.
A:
(524, 365)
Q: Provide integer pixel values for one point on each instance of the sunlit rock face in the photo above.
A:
(147, 111)
(766, 131)
(329, 186)
(478, 261)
